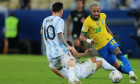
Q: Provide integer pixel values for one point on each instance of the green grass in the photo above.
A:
(30, 69)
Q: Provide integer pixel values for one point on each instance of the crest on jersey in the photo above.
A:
(102, 21)
(75, 19)
(97, 23)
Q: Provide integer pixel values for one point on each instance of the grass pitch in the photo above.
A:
(33, 69)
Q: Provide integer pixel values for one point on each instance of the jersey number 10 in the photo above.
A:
(49, 32)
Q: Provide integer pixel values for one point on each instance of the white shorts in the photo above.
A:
(85, 68)
(60, 61)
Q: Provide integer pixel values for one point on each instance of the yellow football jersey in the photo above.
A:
(96, 30)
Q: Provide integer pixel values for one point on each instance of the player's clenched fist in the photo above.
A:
(91, 41)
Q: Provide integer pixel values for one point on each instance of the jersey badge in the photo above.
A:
(102, 21)
(97, 23)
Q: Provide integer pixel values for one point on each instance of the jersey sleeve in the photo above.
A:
(85, 27)
(104, 15)
(60, 26)
(44, 23)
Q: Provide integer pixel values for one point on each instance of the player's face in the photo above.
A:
(95, 11)
(79, 4)
(61, 12)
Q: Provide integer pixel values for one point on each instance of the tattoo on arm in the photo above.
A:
(62, 40)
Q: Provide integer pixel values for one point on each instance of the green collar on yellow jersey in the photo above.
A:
(94, 19)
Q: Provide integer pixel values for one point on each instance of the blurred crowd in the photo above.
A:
(68, 4)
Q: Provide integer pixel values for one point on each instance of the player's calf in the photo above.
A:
(72, 71)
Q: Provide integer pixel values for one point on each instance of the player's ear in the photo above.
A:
(90, 9)
(61, 11)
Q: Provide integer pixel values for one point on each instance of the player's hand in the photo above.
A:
(72, 49)
(93, 42)
(41, 31)
(82, 20)
(87, 51)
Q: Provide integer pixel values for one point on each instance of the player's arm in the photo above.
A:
(84, 31)
(109, 31)
(68, 26)
(83, 38)
(63, 41)
(41, 30)
(43, 26)
(77, 55)
(58, 73)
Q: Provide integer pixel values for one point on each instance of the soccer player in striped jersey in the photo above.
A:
(86, 67)
(57, 49)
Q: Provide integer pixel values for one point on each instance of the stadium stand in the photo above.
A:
(68, 4)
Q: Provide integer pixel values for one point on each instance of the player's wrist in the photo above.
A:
(68, 47)
(88, 41)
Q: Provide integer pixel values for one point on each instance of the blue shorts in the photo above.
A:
(107, 51)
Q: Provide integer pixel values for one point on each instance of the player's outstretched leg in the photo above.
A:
(126, 65)
(72, 72)
(105, 64)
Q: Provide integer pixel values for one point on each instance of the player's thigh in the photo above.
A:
(67, 60)
(87, 68)
(104, 52)
(113, 46)
(55, 63)
(111, 58)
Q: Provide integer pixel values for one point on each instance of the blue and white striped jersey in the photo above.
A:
(51, 26)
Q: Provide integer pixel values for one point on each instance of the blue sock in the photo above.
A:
(122, 69)
(126, 68)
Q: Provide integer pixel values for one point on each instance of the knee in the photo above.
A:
(116, 51)
(93, 59)
(71, 63)
(119, 55)
(99, 64)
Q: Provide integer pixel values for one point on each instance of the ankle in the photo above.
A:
(131, 73)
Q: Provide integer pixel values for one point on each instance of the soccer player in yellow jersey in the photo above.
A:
(102, 38)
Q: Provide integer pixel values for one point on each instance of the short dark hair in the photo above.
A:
(69, 43)
(57, 6)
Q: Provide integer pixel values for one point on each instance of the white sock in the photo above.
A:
(106, 65)
(131, 73)
(72, 73)
(65, 72)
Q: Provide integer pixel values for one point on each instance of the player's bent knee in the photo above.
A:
(116, 51)
(99, 64)
(71, 63)
(93, 59)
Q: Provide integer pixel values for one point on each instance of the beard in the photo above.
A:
(96, 17)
